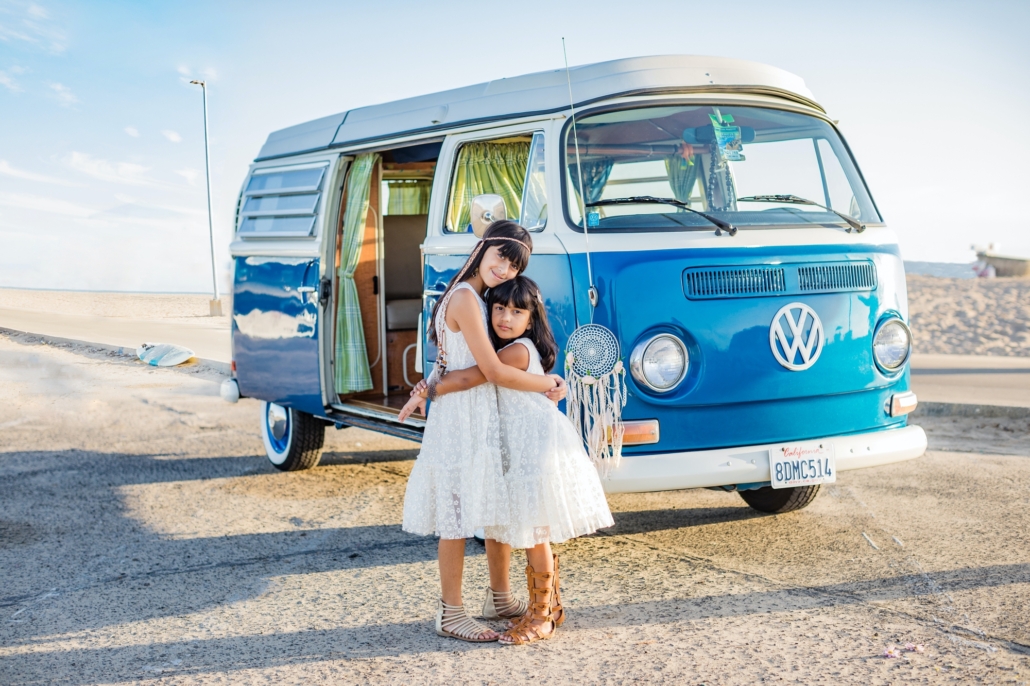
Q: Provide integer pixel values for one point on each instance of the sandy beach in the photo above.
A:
(970, 316)
(160, 306)
(948, 316)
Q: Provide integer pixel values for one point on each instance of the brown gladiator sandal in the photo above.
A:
(503, 605)
(557, 610)
(541, 589)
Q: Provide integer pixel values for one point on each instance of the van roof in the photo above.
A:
(539, 93)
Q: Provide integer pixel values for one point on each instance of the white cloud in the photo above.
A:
(42, 204)
(132, 131)
(8, 170)
(32, 25)
(173, 136)
(191, 175)
(184, 70)
(209, 73)
(8, 82)
(127, 173)
(63, 94)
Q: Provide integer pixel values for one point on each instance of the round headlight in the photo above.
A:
(660, 363)
(892, 344)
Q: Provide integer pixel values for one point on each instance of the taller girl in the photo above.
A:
(457, 484)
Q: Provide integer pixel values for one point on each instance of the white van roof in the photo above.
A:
(539, 93)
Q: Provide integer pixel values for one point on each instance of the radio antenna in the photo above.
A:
(592, 293)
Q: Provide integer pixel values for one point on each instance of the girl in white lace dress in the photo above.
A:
(553, 489)
(457, 484)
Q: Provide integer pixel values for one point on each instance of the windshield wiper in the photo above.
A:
(795, 200)
(720, 225)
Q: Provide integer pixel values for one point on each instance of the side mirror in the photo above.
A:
(486, 209)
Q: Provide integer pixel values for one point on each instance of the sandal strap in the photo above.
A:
(457, 621)
(507, 605)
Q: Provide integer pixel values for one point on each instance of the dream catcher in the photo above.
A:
(594, 372)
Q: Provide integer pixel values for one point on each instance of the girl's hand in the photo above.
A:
(420, 388)
(557, 394)
(414, 403)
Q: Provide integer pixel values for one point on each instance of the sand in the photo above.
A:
(948, 316)
(105, 304)
(970, 316)
(145, 538)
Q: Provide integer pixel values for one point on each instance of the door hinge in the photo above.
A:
(325, 290)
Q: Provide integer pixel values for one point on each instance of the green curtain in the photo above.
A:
(409, 197)
(490, 167)
(682, 176)
(352, 372)
(595, 175)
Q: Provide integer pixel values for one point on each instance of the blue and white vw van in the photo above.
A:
(757, 294)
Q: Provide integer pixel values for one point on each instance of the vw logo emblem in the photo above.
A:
(796, 336)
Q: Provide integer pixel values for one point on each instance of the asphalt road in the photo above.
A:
(144, 537)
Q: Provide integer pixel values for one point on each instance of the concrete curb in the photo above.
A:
(214, 365)
(929, 409)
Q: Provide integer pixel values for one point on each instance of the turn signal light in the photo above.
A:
(639, 432)
(903, 403)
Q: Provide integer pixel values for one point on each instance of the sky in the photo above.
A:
(101, 134)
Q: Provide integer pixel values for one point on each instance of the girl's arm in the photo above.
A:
(469, 319)
(463, 379)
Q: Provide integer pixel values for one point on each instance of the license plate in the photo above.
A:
(802, 464)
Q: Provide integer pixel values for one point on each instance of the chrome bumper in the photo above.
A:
(750, 464)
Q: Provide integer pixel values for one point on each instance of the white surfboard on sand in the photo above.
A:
(163, 354)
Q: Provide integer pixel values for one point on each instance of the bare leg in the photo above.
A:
(451, 554)
(540, 558)
(498, 559)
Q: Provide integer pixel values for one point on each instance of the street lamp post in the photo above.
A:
(216, 304)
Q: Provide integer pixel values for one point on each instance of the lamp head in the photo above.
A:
(199, 83)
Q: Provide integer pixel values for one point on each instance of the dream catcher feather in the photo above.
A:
(594, 372)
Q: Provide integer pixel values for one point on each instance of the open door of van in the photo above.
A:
(278, 301)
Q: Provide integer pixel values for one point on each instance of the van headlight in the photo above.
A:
(892, 344)
(660, 362)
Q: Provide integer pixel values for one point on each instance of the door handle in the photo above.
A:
(325, 290)
(306, 289)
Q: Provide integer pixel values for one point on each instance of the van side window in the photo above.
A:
(281, 202)
(534, 194)
(498, 166)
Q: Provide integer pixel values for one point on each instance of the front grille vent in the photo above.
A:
(734, 282)
(842, 276)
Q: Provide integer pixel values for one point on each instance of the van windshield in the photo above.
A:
(707, 157)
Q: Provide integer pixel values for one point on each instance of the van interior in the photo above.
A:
(388, 275)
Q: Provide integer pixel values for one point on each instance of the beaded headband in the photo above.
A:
(479, 246)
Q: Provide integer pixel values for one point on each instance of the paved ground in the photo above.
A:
(144, 537)
(975, 379)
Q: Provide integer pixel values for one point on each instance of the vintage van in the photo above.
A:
(738, 256)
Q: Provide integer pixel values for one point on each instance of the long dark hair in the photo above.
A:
(522, 293)
(518, 254)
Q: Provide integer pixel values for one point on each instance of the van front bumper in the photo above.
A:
(750, 464)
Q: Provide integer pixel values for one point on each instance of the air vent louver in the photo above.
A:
(844, 276)
(734, 282)
(756, 281)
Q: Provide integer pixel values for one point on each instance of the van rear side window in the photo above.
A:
(282, 202)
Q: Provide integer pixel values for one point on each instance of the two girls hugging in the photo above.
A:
(497, 453)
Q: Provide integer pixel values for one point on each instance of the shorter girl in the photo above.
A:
(554, 492)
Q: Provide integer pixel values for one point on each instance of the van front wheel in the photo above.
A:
(780, 500)
(293, 439)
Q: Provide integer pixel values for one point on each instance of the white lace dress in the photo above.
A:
(457, 484)
(554, 491)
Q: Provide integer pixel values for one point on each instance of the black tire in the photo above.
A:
(780, 500)
(300, 445)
